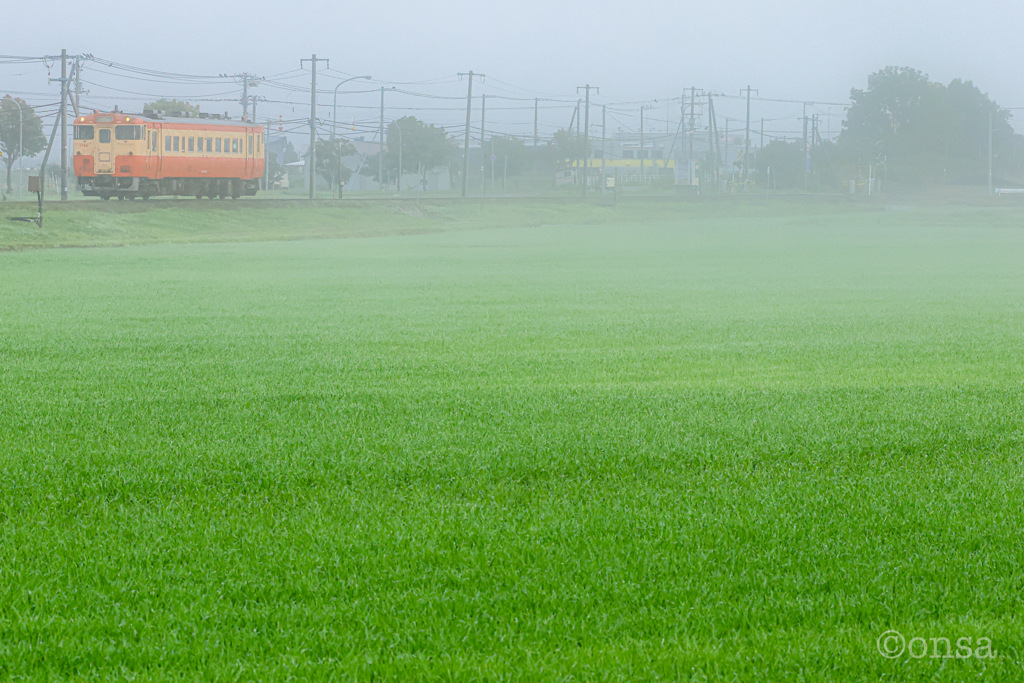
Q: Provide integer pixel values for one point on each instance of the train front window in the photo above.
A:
(128, 132)
(84, 132)
(105, 135)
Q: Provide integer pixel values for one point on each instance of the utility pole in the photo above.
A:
(604, 139)
(380, 134)
(401, 144)
(693, 101)
(728, 165)
(312, 123)
(746, 143)
(62, 119)
(693, 131)
(577, 162)
(245, 97)
(682, 145)
(266, 156)
(248, 80)
(63, 125)
(807, 148)
(21, 145)
(536, 131)
(713, 145)
(76, 75)
(642, 176)
(579, 120)
(586, 133)
(469, 122)
(483, 136)
(991, 190)
(815, 141)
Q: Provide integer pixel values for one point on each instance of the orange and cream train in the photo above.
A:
(127, 156)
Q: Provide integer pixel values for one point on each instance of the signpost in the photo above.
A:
(34, 185)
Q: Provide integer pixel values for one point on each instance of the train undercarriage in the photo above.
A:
(106, 187)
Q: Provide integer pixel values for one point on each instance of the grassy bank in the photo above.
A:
(108, 224)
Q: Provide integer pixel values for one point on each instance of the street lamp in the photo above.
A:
(21, 147)
(334, 120)
(399, 129)
(334, 117)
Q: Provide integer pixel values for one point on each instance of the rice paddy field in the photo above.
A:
(515, 442)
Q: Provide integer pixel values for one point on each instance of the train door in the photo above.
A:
(151, 152)
(156, 145)
(104, 150)
(248, 142)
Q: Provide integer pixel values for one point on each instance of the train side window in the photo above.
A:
(209, 145)
(167, 143)
(152, 140)
(176, 143)
(250, 145)
(218, 145)
(191, 144)
(234, 145)
(227, 146)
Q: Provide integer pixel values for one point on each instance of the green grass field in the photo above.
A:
(541, 442)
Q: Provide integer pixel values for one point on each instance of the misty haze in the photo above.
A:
(521, 341)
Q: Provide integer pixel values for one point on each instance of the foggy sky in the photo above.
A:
(787, 49)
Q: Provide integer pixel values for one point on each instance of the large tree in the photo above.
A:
(907, 120)
(967, 115)
(897, 116)
(21, 132)
(565, 148)
(782, 162)
(787, 163)
(329, 154)
(423, 146)
(510, 151)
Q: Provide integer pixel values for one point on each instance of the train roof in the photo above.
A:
(150, 116)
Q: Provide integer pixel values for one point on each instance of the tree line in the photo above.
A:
(909, 129)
